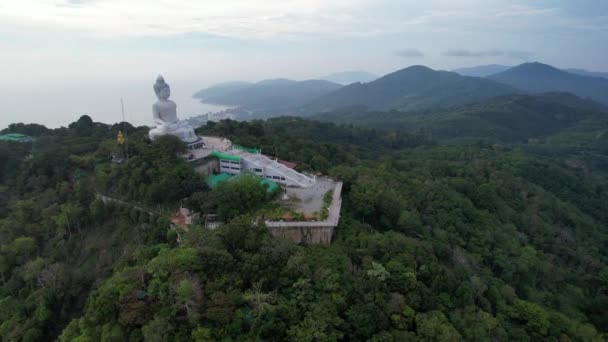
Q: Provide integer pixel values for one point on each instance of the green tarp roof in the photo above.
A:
(271, 186)
(214, 180)
(221, 155)
(13, 137)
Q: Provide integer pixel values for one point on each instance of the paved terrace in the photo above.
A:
(307, 200)
(211, 144)
(332, 219)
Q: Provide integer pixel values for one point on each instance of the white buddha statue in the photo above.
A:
(165, 115)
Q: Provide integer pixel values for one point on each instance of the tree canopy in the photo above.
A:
(445, 242)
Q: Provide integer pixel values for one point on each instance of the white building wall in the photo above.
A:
(264, 167)
(275, 172)
(231, 167)
(251, 167)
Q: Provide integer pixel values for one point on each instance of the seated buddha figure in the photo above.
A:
(164, 112)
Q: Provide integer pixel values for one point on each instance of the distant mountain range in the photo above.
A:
(487, 70)
(538, 78)
(268, 95)
(482, 70)
(349, 77)
(219, 91)
(412, 88)
(587, 73)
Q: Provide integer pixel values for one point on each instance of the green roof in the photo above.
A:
(225, 156)
(214, 180)
(14, 137)
(271, 186)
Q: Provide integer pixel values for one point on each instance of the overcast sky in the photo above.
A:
(66, 43)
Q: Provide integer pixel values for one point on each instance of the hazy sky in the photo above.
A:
(89, 46)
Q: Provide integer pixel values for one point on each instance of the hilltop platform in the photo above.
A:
(311, 232)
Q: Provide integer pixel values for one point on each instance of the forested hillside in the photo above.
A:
(217, 92)
(412, 88)
(436, 242)
(488, 70)
(506, 118)
(539, 78)
(511, 118)
(267, 96)
(559, 125)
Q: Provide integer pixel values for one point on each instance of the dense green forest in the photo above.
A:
(561, 126)
(444, 242)
(510, 118)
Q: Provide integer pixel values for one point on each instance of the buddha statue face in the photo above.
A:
(162, 89)
(164, 93)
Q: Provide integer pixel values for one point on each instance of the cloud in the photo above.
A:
(409, 53)
(77, 3)
(80, 2)
(466, 53)
(525, 11)
(229, 18)
(271, 19)
(471, 53)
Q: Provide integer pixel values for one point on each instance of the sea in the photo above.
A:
(54, 105)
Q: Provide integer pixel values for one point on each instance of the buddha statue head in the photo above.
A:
(161, 88)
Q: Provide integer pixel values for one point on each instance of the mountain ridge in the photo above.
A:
(414, 87)
(349, 77)
(482, 70)
(584, 72)
(538, 78)
(269, 94)
(491, 69)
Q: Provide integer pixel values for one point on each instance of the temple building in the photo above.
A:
(238, 160)
(312, 204)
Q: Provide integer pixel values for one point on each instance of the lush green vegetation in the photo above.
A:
(436, 242)
(512, 118)
(556, 125)
(313, 145)
(239, 196)
(57, 240)
(153, 176)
